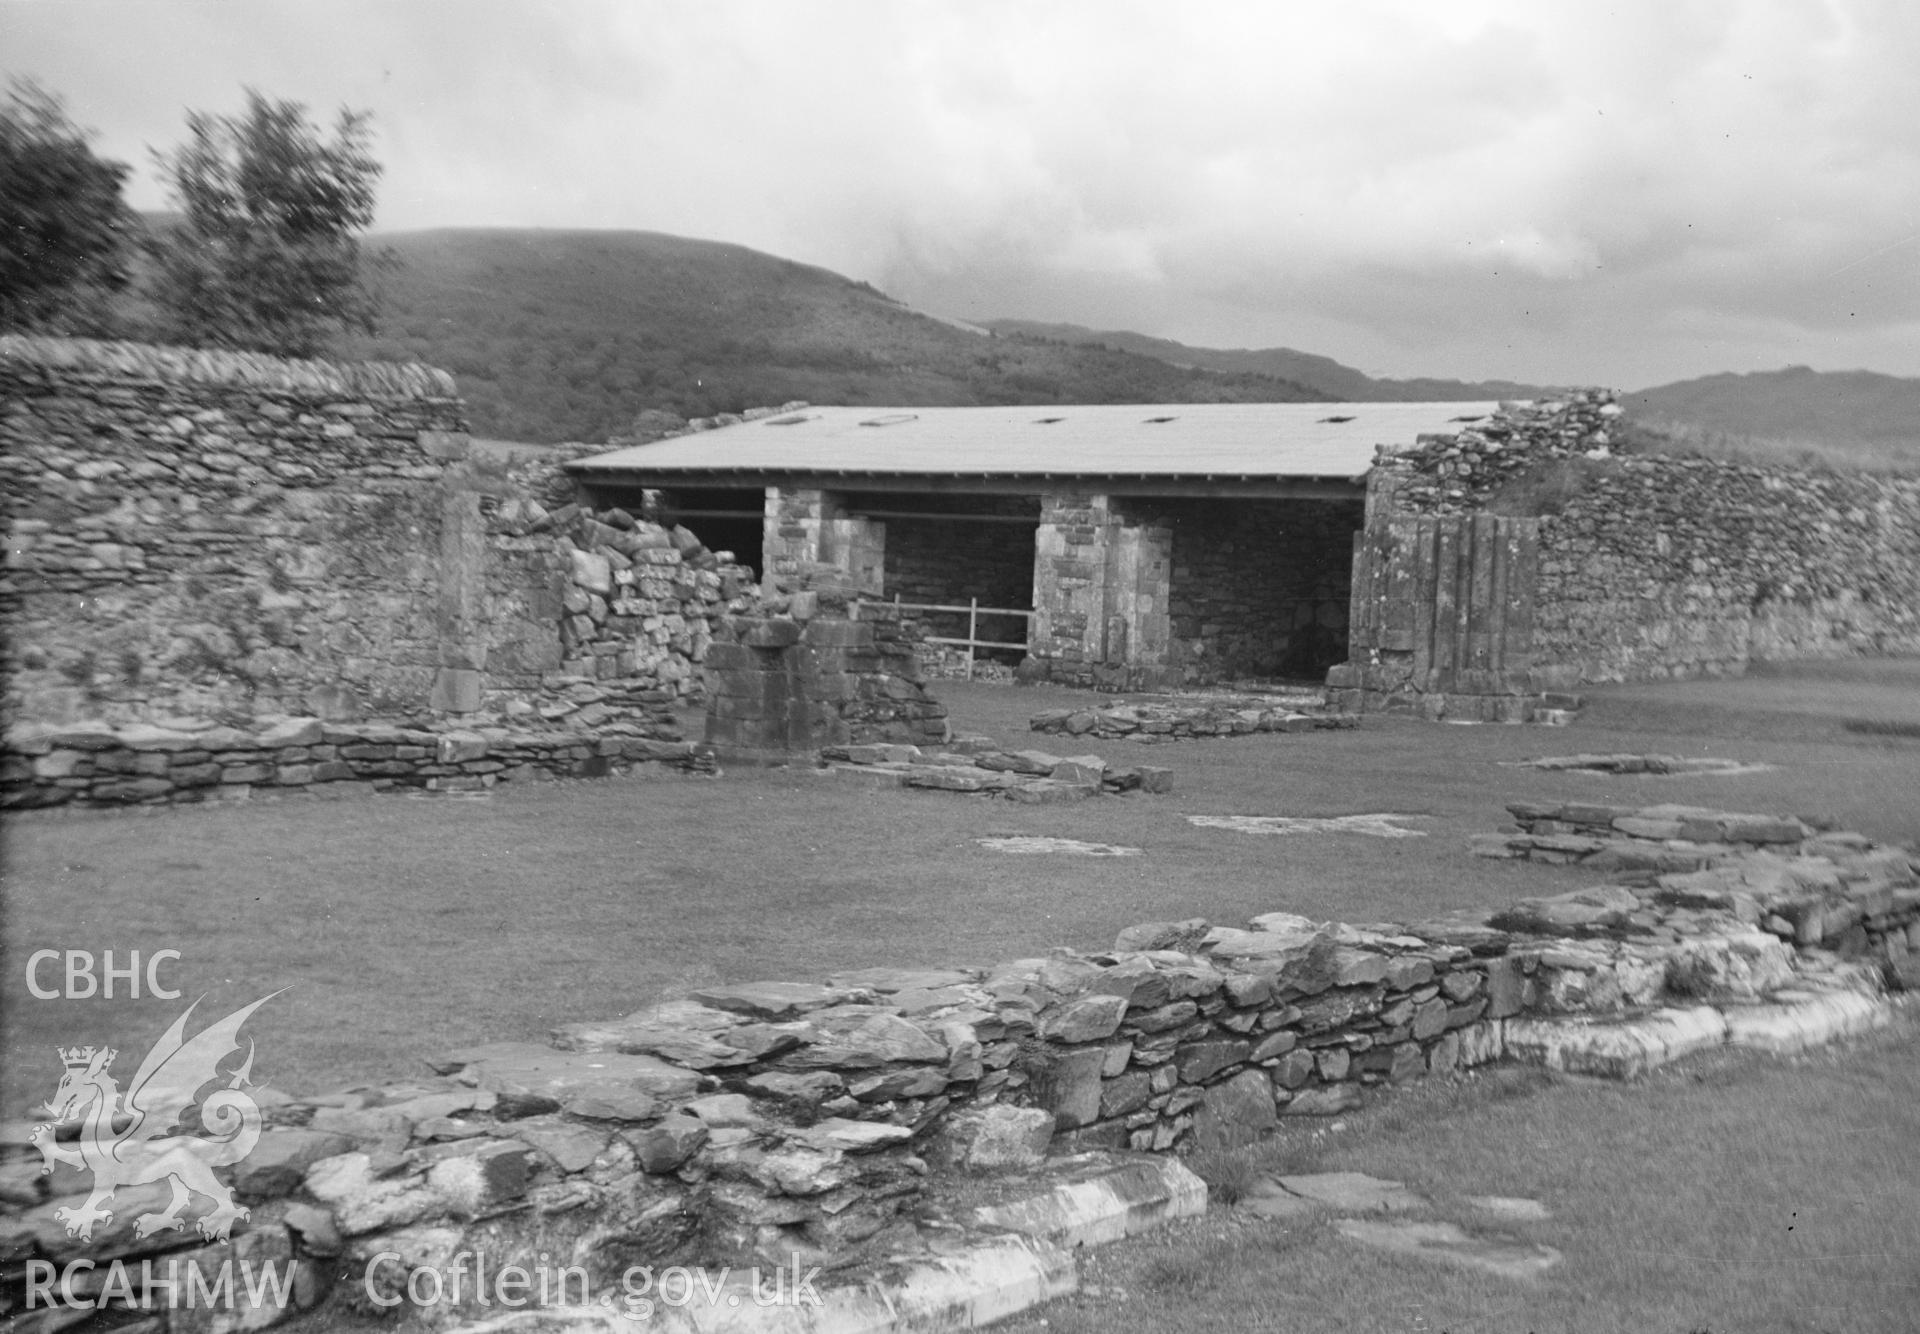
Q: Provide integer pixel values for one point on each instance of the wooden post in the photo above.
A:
(973, 631)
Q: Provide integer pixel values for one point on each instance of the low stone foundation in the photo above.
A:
(1372, 688)
(1692, 766)
(976, 764)
(1167, 722)
(144, 765)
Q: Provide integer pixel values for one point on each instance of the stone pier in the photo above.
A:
(785, 683)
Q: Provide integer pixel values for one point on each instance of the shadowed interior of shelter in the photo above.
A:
(953, 551)
(1259, 588)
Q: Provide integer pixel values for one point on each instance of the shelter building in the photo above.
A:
(1143, 546)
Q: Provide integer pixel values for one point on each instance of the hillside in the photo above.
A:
(566, 335)
(1855, 417)
(1797, 416)
(1323, 374)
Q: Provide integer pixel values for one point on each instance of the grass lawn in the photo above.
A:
(1735, 1194)
(407, 926)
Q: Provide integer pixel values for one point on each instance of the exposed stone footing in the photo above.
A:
(142, 765)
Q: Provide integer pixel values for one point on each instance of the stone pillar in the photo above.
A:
(1139, 628)
(780, 687)
(1100, 591)
(857, 545)
(463, 608)
(1069, 587)
(803, 527)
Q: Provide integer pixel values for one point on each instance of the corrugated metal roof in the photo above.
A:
(1263, 440)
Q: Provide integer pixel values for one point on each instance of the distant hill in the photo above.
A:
(566, 335)
(1798, 416)
(1323, 374)
(1859, 418)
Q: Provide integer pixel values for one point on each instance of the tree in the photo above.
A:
(63, 224)
(266, 254)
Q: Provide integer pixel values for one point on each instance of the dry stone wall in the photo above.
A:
(214, 541)
(216, 533)
(634, 602)
(140, 764)
(1654, 566)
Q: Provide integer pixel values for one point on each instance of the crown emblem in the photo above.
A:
(78, 1058)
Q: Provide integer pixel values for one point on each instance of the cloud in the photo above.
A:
(1567, 192)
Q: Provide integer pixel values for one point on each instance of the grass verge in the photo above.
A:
(1735, 1194)
(405, 927)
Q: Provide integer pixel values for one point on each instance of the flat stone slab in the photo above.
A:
(1451, 1244)
(952, 778)
(888, 981)
(1051, 792)
(773, 1000)
(1120, 1202)
(1269, 1199)
(1621, 1049)
(1353, 1192)
(1372, 825)
(683, 1032)
(1514, 1208)
(839, 1135)
(587, 1083)
(969, 1288)
(1029, 845)
(1812, 1022)
(1692, 765)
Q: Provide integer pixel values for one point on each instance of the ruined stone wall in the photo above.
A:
(1101, 569)
(1259, 587)
(634, 602)
(203, 537)
(198, 532)
(1654, 566)
(139, 764)
(795, 676)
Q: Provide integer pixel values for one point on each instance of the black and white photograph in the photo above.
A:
(865, 666)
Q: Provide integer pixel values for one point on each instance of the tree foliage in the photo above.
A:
(63, 224)
(266, 253)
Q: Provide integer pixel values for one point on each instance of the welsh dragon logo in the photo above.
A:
(140, 1138)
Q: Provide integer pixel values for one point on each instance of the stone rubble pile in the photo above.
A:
(194, 760)
(977, 764)
(1784, 879)
(640, 599)
(756, 1122)
(1443, 468)
(1657, 565)
(1173, 721)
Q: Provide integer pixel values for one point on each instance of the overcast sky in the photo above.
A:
(1620, 193)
